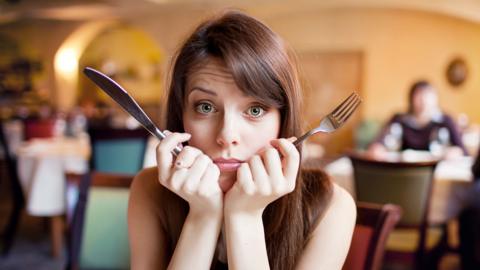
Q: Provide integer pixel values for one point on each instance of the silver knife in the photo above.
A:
(115, 91)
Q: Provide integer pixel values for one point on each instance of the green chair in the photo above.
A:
(366, 132)
(408, 185)
(98, 234)
(118, 150)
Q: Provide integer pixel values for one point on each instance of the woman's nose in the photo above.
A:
(228, 134)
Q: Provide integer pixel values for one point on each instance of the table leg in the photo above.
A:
(56, 234)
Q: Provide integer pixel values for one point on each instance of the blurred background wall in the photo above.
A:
(382, 47)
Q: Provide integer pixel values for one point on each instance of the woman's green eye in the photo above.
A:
(204, 108)
(256, 111)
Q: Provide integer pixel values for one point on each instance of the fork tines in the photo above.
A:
(346, 108)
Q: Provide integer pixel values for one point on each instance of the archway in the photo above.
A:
(122, 51)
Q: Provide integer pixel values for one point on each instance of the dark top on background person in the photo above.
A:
(419, 137)
(421, 125)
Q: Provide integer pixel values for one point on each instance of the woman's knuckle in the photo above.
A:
(188, 188)
(214, 169)
(204, 159)
(254, 159)
(291, 187)
(203, 191)
(271, 152)
(249, 191)
(265, 190)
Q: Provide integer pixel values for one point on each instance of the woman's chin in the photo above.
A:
(226, 181)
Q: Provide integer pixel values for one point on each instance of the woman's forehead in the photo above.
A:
(210, 64)
(210, 72)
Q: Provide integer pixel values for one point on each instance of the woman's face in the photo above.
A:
(226, 124)
(425, 102)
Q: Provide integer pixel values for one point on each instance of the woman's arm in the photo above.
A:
(455, 136)
(246, 242)
(196, 247)
(198, 239)
(379, 139)
(192, 176)
(330, 241)
(265, 178)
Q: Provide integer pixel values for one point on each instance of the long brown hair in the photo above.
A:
(263, 67)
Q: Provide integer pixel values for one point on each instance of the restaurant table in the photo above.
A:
(452, 181)
(42, 164)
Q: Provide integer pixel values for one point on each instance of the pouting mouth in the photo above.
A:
(227, 165)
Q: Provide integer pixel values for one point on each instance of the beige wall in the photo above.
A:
(399, 46)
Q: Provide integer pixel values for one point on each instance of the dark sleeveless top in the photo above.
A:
(221, 266)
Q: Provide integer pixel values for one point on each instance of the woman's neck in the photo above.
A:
(422, 120)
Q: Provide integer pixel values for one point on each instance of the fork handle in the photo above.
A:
(299, 141)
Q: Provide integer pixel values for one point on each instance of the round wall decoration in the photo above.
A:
(457, 72)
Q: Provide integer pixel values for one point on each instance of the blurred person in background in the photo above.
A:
(423, 127)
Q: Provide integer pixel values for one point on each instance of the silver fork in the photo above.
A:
(334, 119)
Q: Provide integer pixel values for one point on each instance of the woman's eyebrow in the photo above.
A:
(207, 91)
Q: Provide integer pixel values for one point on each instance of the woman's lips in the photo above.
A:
(227, 165)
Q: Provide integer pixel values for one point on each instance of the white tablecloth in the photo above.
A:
(150, 159)
(42, 164)
(452, 181)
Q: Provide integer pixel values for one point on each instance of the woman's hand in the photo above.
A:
(192, 175)
(265, 178)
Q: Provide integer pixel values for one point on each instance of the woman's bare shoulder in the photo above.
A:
(336, 227)
(342, 204)
(147, 177)
(146, 185)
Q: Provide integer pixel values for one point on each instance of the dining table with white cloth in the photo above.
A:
(452, 181)
(42, 165)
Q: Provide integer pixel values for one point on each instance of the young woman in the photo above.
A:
(423, 123)
(234, 193)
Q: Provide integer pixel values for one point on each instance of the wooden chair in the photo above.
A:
(118, 150)
(374, 224)
(409, 185)
(16, 193)
(97, 221)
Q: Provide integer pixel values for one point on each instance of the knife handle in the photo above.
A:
(161, 136)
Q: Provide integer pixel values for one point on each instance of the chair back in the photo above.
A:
(98, 234)
(39, 128)
(118, 150)
(407, 184)
(374, 224)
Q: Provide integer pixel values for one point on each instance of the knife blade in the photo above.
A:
(121, 96)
